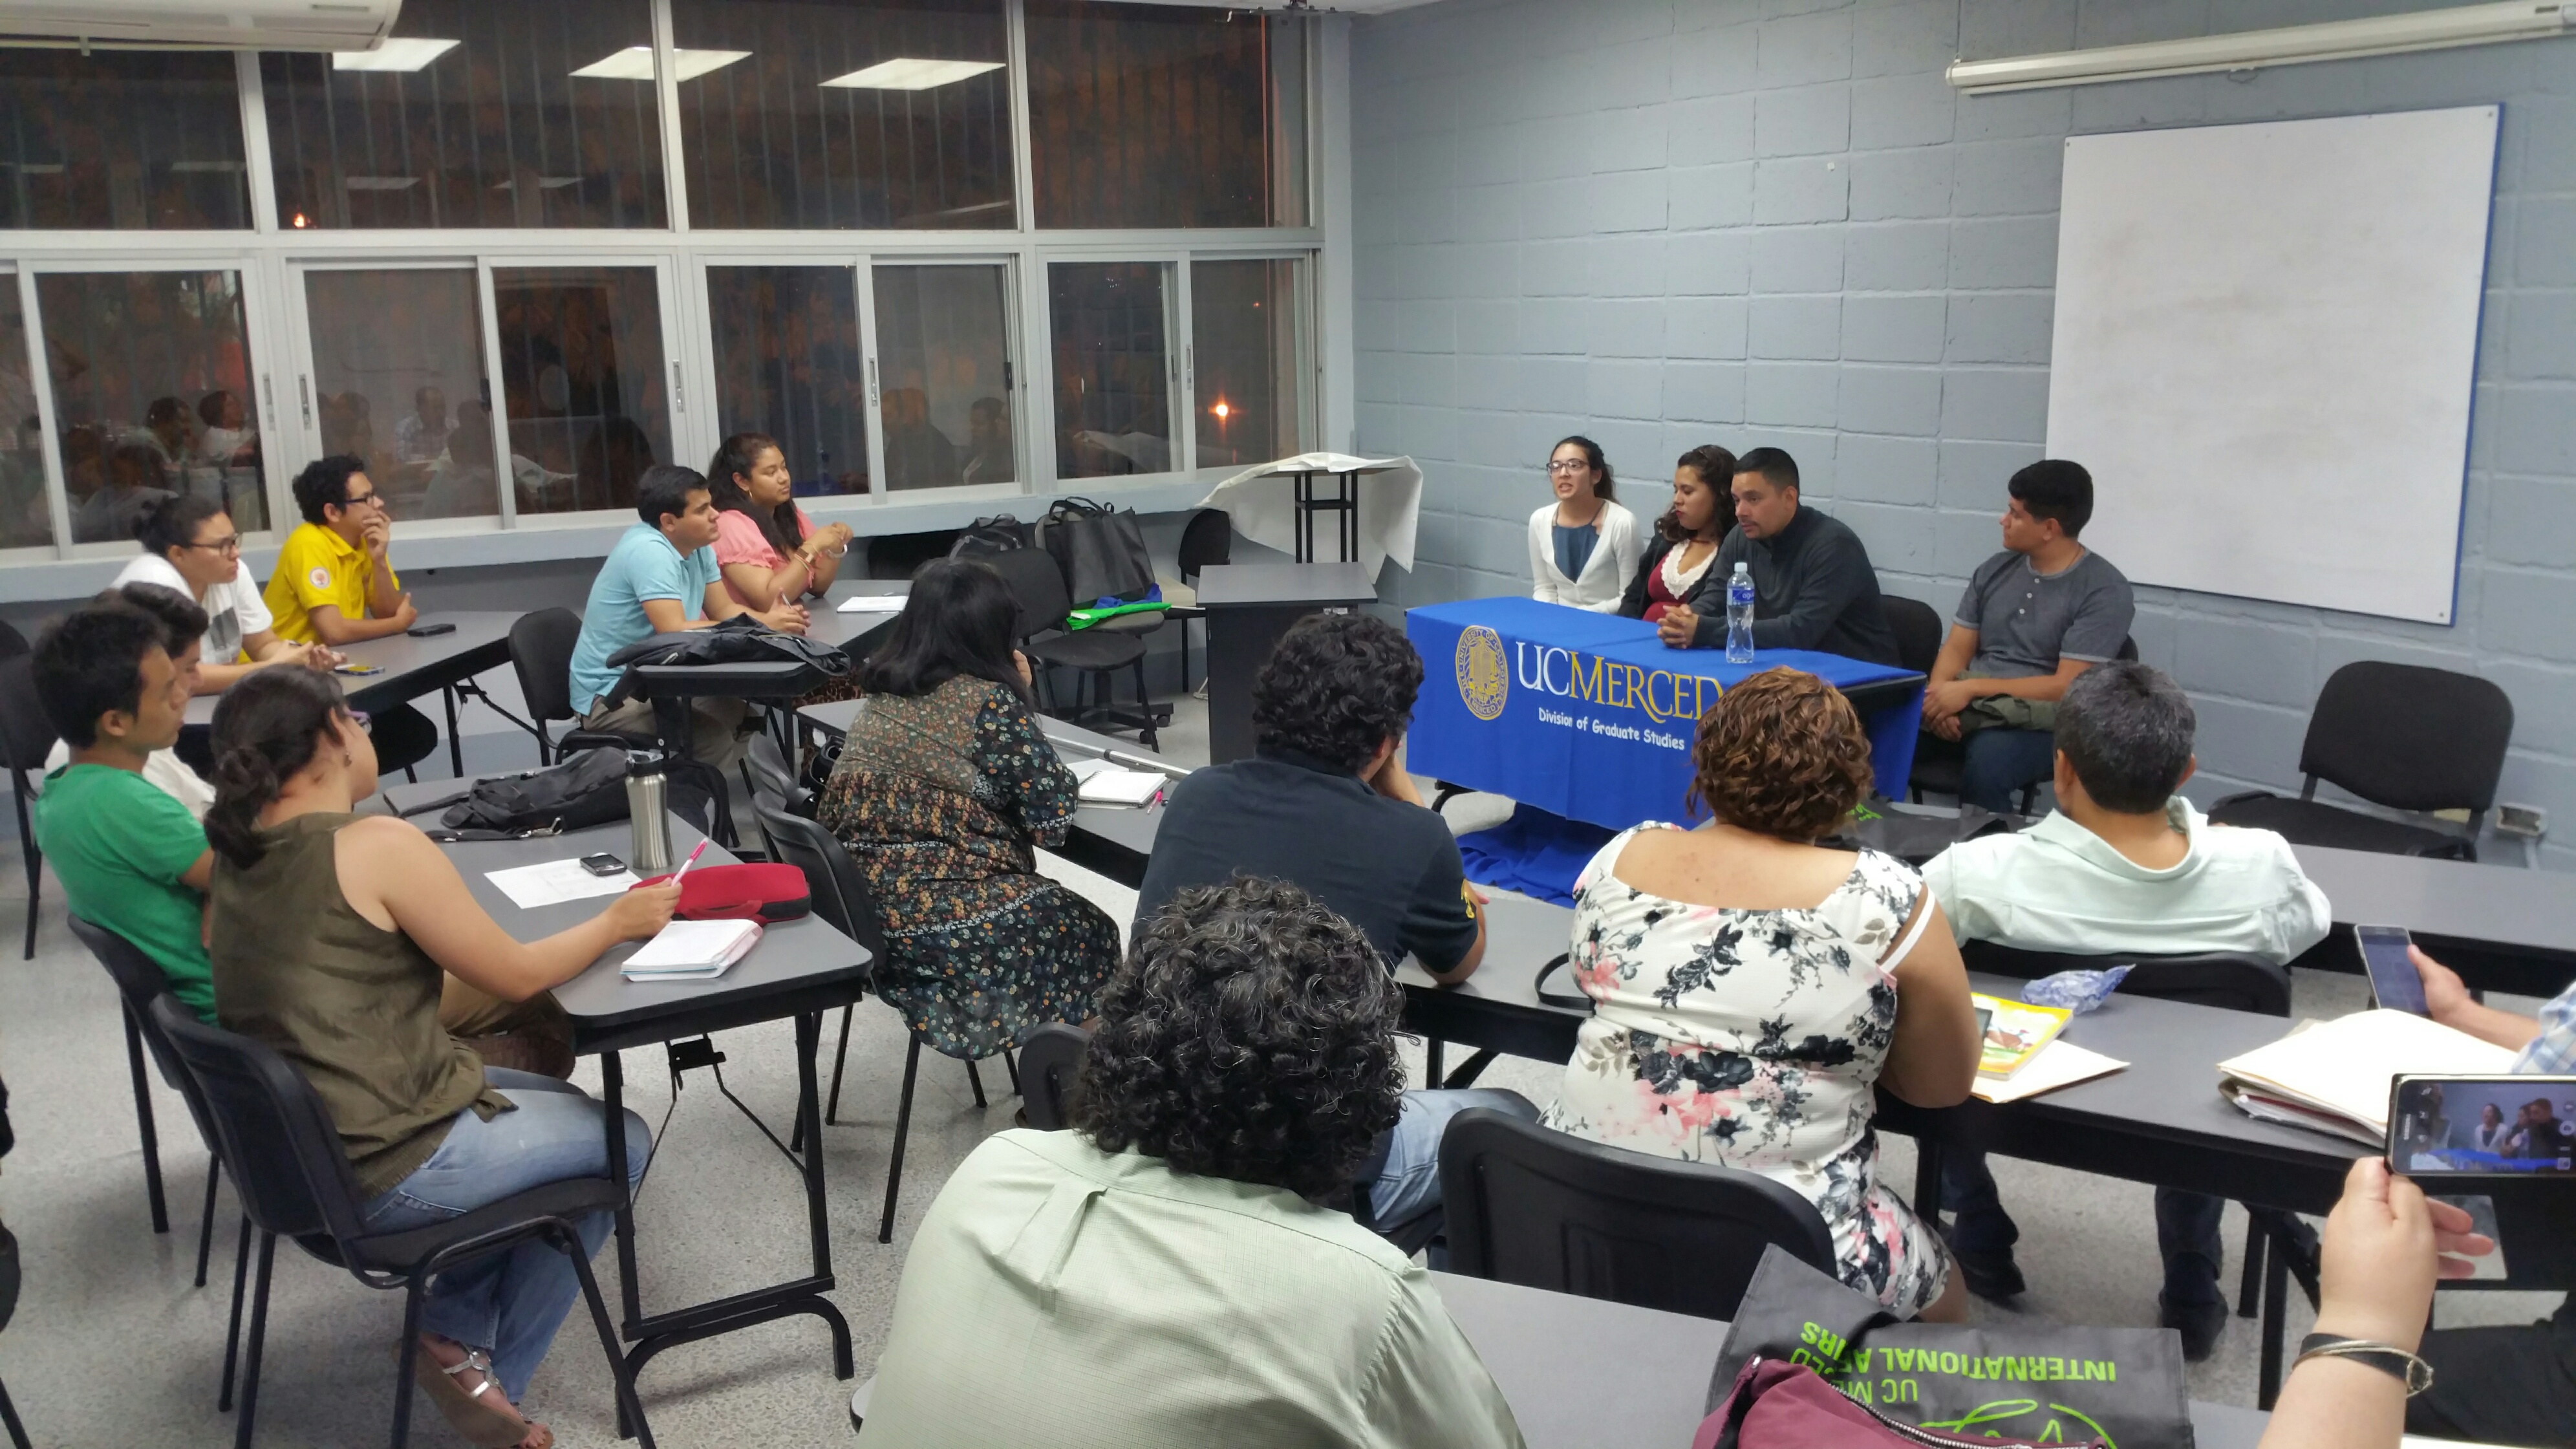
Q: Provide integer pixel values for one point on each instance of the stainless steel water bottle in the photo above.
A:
(648, 794)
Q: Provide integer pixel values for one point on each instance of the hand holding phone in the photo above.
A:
(2394, 983)
(2508, 1126)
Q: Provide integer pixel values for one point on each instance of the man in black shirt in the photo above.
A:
(1325, 804)
(1813, 587)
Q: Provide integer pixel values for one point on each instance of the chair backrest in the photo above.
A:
(1037, 586)
(1049, 1061)
(2230, 979)
(12, 643)
(286, 1159)
(139, 982)
(1530, 1205)
(765, 771)
(841, 894)
(1207, 539)
(1918, 630)
(541, 646)
(2128, 652)
(2409, 737)
(26, 732)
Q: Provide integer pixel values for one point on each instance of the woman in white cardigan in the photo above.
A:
(1583, 547)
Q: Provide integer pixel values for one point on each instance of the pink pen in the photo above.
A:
(692, 860)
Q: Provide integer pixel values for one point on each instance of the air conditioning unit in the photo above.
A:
(199, 24)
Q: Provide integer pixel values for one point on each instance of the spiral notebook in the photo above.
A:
(692, 951)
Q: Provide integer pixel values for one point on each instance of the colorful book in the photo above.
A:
(2013, 1032)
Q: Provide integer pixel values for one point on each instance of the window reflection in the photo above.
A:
(397, 364)
(25, 520)
(943, 350)
(121, 140)
(1243, 339)
(152, 395)
(788, 365)
(583, 381)
(1113, 399)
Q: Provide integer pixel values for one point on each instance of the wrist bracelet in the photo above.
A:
(2389, 1359)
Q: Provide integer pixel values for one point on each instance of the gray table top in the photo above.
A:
(2500, 906)
(1580, 1373)
(1256, 585)
(828, 624)
(792, 955)
(405, 659)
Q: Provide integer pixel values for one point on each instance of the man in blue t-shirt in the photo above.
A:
(662, 578)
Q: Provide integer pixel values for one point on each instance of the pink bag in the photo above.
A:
(1781, 1405)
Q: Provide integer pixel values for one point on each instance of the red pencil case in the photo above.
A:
(760, 891)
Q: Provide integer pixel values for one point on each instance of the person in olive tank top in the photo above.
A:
(329, 933)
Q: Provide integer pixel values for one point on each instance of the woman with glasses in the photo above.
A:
(190, 545)
(1583, 546)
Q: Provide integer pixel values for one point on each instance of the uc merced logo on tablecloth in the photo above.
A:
(1483, 680)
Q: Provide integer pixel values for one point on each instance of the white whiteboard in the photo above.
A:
(2266, 343)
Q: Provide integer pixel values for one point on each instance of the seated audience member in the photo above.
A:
(2124, 865)
(183, 634)
(1836, 975)
(1162, 1274)
(769, 550)
(335, 585)
(2385, 1245)
(1813, 587)
(322, 918)
(130, 856)
(1583, 546)
(133, 483)
(190, 545)
(662, 578)
(1325, 804)
(2502, 1385)
(1675, 570)
(2034, 616)
(944, 790)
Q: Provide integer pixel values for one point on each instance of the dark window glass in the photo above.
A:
(398, 378)
(1154, 115)
(502, 113)
(1243, 339)
(788, 365)
(894, 114)
(583, 383)
(122, 140)
(1113, 376)
(24, 519)
(944, 348)
(152, 395)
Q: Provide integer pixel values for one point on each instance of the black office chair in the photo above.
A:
(1939, 764)
(294, 1179)
(1038, 588)
(26, 737)
(1534, 1206)
(2399, 735)
(541, 646)
(770, 783)
(9, 1292)
(1050, 1060)
(1207, 539)
(140, 982)
(1918, 629)
(843, 900)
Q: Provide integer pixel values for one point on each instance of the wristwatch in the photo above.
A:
(2389, 1359)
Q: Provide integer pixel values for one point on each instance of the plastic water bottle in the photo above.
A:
(1739, 615)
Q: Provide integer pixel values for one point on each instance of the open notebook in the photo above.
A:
(2334, 1076)
(692, 951)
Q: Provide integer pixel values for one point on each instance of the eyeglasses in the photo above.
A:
(230, 543)
(1568, 465)
(355, 499)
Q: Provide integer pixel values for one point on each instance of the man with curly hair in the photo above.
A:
(1325, 802)
(1162, 1275)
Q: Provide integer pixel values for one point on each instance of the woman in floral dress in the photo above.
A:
(944, 790)
(1751, 988)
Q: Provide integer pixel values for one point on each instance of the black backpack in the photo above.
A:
(1000, 533)
(585, 790)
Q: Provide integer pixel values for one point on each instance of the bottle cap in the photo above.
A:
(644, 762)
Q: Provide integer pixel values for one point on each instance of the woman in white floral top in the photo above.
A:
(1752, 988)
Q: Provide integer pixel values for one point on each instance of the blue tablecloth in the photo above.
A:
(1588, 716)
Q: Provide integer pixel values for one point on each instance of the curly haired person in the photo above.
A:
(1751, 988)
(1162, 1276)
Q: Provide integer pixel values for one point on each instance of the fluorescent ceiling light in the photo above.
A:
(379, 183)
(635, 62)
(908, 74)
(2255, 49)
(397, 53)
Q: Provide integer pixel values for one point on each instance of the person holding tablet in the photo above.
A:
(1583, 546)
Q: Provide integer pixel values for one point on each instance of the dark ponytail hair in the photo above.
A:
(267, 728)
(1592, 457)
(739, 454)
(1715, 467)
(171, 522)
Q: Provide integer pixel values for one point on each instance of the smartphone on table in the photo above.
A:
(430, 631)
(2508, 1126)
(357, 669)
(2394, 983)
(602, 864)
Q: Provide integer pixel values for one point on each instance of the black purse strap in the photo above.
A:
(1571, 1000)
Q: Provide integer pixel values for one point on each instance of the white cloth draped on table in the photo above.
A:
(1262, 501)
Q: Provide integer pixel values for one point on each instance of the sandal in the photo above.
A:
(487, 1423)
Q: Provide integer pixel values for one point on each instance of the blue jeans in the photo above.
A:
(2000, 762)
(2187, 1227)
(1409, 1184)
(510, 1303)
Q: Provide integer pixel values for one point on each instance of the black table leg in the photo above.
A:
(1305, 532)
(1927, 1182)
(1432, 1052)
(2276, 1293)
(612, 1096)
(455, 746)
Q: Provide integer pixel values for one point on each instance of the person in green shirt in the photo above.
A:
(130, 858)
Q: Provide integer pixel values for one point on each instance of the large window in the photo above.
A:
(1159, 116)
(483, 113)
(121, 140)
(584, 383)
(1245, 334)
(943, 355)
(151, 373)
(788, 365)
(398, 381)
(892, 114)
(1113, 369)
(25, 519)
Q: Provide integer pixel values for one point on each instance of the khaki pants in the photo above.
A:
(527, 1036)
(715, 726)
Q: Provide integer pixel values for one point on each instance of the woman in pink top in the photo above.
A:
(771, 553)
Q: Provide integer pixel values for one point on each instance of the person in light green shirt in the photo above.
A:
(1164, 1276)
(131, 858)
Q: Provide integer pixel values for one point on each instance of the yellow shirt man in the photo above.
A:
(318, 567)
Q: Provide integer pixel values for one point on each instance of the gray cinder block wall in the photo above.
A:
(1667, 222)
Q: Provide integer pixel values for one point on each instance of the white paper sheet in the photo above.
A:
(872, 604)
(554, 882)
(2061, 1063)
